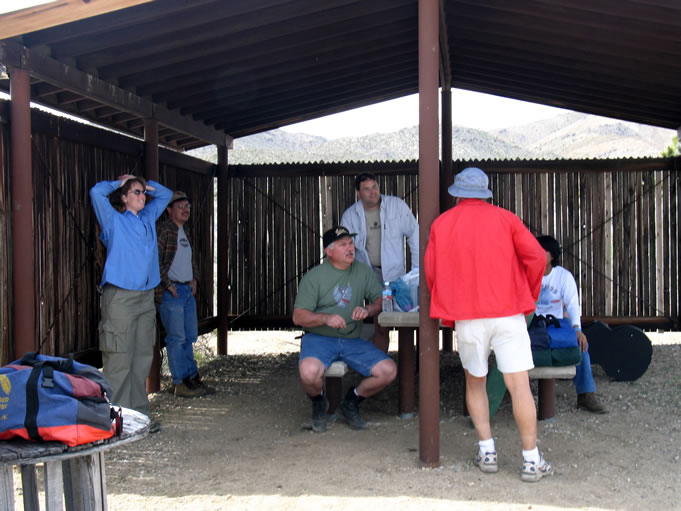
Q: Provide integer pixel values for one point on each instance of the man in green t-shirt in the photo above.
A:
(330, 306)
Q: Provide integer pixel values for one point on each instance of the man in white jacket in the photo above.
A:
(381, 223)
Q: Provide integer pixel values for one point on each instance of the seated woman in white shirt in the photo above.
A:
(560, 298)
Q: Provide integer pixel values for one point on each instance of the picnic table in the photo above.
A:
(407, 323)
(74, 476)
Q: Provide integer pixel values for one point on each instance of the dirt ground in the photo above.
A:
(246, 446)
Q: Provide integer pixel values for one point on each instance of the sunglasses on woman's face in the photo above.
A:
(138, 192)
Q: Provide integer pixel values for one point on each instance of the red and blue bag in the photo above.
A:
(55, 399)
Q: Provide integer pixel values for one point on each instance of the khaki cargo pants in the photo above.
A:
(127, 333)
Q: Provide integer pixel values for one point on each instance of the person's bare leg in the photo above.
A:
(311, 371)
(524, 410)
(478, 405)
(382, 374)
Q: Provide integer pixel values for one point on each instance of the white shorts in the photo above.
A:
(508, 338)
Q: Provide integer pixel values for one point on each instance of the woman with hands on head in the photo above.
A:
(127, 330)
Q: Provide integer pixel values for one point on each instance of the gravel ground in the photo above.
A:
(245, 447)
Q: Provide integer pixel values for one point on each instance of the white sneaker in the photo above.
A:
(533, 472)
(487, 462)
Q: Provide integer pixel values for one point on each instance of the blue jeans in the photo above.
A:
(584, 378)
(178, 316)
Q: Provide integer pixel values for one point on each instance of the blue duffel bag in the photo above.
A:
(55, 399)
(561, 333)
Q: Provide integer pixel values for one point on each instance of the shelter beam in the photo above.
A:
(429, 208)
(151, 172)
(23, 232)
(51, 14)
(446, 176)
(223, 251)
(71, 79)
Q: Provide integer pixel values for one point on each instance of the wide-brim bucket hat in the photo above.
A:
(471, 183)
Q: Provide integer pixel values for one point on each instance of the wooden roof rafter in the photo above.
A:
(70, 79)
(56, 13)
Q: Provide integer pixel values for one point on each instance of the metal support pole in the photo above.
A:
(546, 397)
(151, 149)
(23, 274)
(405, 366)
(223, 246)
(429, 190)
(151, 172)
(446, 179)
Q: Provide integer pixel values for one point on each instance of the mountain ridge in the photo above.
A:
(571, 135)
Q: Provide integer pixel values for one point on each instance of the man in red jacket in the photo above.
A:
(484, 271)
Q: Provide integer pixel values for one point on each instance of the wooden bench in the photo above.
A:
(546, 391)
(333, 385)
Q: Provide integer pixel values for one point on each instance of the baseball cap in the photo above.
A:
(336, 233)
(177, 196)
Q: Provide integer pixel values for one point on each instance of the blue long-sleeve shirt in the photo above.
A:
(130, 240)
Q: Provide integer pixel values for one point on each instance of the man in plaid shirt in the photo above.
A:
(175, 296)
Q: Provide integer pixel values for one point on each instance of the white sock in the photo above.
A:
(486, 446)
(532, 455)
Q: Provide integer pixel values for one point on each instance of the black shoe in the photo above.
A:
(319, 415)
(589, 402)
(199, 383)
(154, 427)
(350, 410)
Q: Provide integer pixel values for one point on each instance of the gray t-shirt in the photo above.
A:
(181, 269)
(373, 243)
(326, 289)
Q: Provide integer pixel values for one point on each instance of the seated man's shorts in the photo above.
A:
(358, 353)
(507, 336)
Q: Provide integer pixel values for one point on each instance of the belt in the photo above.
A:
(181, 283)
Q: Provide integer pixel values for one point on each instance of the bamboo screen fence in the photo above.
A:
(619, 231)
(68, 258)
(617, 221)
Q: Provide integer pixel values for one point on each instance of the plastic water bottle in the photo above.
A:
(387, 299)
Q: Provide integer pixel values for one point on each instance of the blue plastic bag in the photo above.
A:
(402, 295)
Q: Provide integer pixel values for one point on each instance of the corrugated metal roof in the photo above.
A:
(210, 68)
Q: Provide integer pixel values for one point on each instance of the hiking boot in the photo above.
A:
(350, 410)
(533, 472)
(487, 462)
(199, 382)
(187, 388)
(319, 415)
(590, 403)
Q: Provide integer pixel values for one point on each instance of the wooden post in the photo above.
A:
(446, 178)
(405, 366)
(23, 274)
(223, 247)
(429, 208)
(151, 172)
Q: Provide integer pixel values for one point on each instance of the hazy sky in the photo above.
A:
(470, 109)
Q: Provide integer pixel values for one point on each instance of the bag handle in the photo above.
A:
(31, 359)
(552, 321)
(538, 321)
